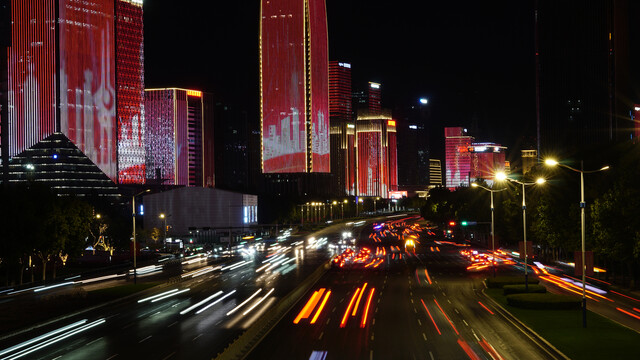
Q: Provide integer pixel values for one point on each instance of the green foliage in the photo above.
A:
(546, 301)
(519, 289)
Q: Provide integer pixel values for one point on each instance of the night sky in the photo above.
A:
(473, 60)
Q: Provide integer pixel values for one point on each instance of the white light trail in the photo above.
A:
(258, 302)
(41, 337)
(170, 295)
(54, 286)
(157, 296)
(244, 302)
(215, 302)
(200, 303)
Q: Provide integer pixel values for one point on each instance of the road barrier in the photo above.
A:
(245, 343)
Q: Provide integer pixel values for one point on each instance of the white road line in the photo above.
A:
(419, 322)
(334, 309)
(89, 343)
(168, 356)
(370, 354)
(109, 358)
(449, 301)
(145, 339)
(474, 334)
(424, 336)
(465, 322)
(431, 355)
(415, 311)
(173, 323)
(195, 338)
(327, 323)
(374, 321)
(456, 310)
(443, 294)
(371, 336)
(320, 337)
(411, 300)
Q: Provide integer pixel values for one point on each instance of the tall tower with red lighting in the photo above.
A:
(342, 129)
(294, 86)
(457, 157)
(376, 154)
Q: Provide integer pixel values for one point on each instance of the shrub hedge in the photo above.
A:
(500, 281)
(546, 301)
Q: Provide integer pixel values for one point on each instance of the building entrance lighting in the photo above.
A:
(552, 162)
(501, 176)
(493, 235)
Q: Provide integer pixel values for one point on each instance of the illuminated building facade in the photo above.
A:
(376, 154)
(74, 68)
(342, 129)
(486, 160)
(294, 89)
(435, 173)
(636, 122)
(370, 98)
(130, 91)
(179, 137)
(457, 157)
(529, 159)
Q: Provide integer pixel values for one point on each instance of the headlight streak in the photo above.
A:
(49, 334)
(235, 266)
(262, 267)
(170, 295)
(55, 340)
(156, 296)
(215, 302)
(23, 290)
(6, 290)
(200, 303)
(258, 302)
(106, 277)
(244, 302)
(53, 286)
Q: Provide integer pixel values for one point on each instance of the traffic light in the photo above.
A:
(452, 223)
(464, 223)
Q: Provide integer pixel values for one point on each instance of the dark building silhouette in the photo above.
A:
(413, 144)
(231, 147)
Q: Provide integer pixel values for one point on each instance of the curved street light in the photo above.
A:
(493, 235)
(552, 162)
(503, 177)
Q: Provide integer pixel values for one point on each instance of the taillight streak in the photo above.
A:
(343, 323)
(366, 309)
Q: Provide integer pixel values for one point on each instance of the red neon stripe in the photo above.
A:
(486, 308)
(628, 297)
(355, 308)
(346, 313)
(366, 310)
(628, 313)
(431, 317)
(445, 315)
(324, 301)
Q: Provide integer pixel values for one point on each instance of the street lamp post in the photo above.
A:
(133, 208)
(552, 162)
(502, 176)
(342, 208)
(164, 227)
(493, 235)
(332, 204)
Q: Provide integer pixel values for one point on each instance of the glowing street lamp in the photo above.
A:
(502, 177)
(552, 162)
(493, 235)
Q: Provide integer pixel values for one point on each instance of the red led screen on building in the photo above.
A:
(282, 64)
(87, 80)
(130, 93)
(393, 161)
(319, 86)
(31, 73)
(369, 151)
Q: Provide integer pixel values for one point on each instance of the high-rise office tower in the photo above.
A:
(179, 142)
(294, 84)
(376, 154)
(130, 91)
(342, 130)
(435, 173)
(75, 73)
(413, 144)
(584, 94)
(457, 157)
(369, 99)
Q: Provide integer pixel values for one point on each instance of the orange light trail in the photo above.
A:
(346, 313)
(634, 309)
(418, 277)
(490, 349)
(366, 309)
(437, 249)
(427, 275)
(445, 315)
(306, 310)
(467, 349)
(324, 301)
(355, 308)
(486, 308)
(431, 317)
(628, 313)
(579, 292)
(432, 249)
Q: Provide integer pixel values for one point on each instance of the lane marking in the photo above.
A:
(109, 358)
(456, 310)
(166, 357)
(465, 322)
(370, 354)
(195, 338)
(173, 323)
(327, 323)
(145, 339)
(431, 355)
(419, 322)
(89, 343)
(320, 337)
(424, 336)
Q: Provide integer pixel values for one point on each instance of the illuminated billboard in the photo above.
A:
(319, 78)
(31, 74)
(130, 93)
(87, 80)
(282, 64)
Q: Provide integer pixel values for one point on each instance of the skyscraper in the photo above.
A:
(294, 83)
(179, 137)
(130, 91)
(63, 79)
(376, 154)
(342, 130)
(457, 157)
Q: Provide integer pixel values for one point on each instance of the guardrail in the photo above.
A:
(242, 346)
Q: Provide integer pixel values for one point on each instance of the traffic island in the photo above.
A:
(562, 328)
